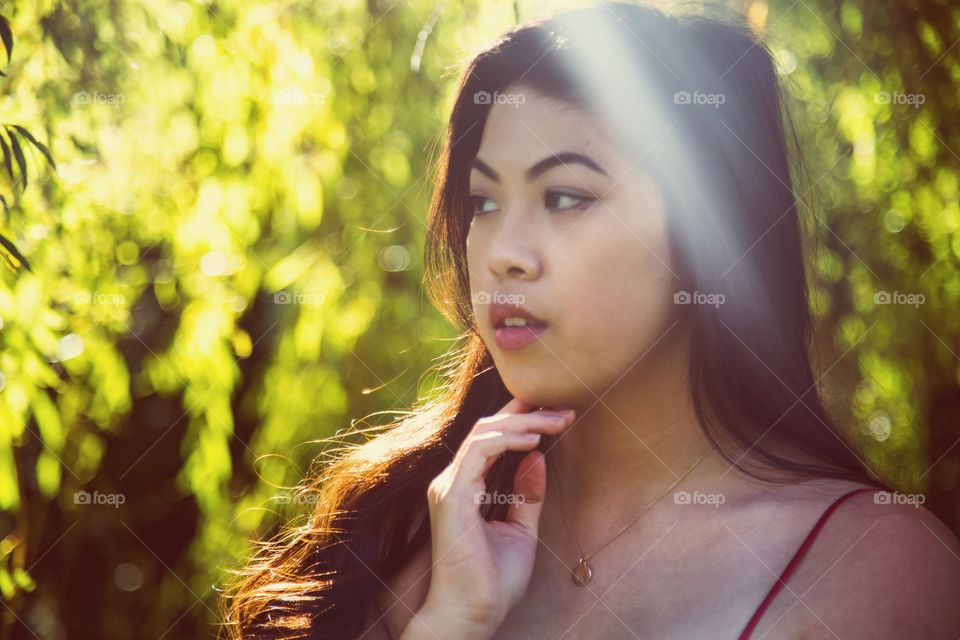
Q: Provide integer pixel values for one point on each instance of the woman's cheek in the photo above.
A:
(625, 304)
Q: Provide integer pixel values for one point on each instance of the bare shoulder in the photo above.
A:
(882, 567)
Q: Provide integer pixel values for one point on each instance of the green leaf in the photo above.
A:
(7, 36)
(9, 488)
(18, 154)
(23, 579)
(14, 252)
(49, 474)
(39, 145)
(49, 424)
(7, 158)
(7, 587)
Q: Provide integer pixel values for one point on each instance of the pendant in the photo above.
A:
(582, 574)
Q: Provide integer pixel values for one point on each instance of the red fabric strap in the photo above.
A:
(795, 562)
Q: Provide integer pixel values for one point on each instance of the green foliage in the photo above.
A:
(11, 147)
(885, 204)
(225, 270)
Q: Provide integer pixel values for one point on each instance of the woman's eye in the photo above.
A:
(553, 200)
(558, 200)
(481, 205)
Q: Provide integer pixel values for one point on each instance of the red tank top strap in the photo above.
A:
(795, 561)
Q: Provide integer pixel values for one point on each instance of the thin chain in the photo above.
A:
(660, 497)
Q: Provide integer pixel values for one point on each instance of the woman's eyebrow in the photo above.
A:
(557, 159)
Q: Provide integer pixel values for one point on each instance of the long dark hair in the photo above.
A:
(697, 101)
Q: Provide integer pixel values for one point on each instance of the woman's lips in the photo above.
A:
(511, 338)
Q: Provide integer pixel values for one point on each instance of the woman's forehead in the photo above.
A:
(529, 128)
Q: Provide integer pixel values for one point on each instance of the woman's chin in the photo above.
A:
(535, 393)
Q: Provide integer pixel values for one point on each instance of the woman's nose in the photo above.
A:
(511, 255)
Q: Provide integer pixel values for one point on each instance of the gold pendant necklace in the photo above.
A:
(583, 572)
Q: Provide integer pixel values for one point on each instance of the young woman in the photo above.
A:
(630, 443)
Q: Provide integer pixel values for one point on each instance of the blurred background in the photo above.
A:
(212, 225)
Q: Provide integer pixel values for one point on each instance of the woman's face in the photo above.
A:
(579, 243)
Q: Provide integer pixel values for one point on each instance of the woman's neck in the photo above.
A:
(629, 445)
(620, 456)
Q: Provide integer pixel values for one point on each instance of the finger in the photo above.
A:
(515, 406)
(517, 425)
(530, 481)
(521, 421)
(481, 450)
(459, 483)
(527, 423)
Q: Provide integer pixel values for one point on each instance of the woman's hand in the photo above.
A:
(481, 569)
